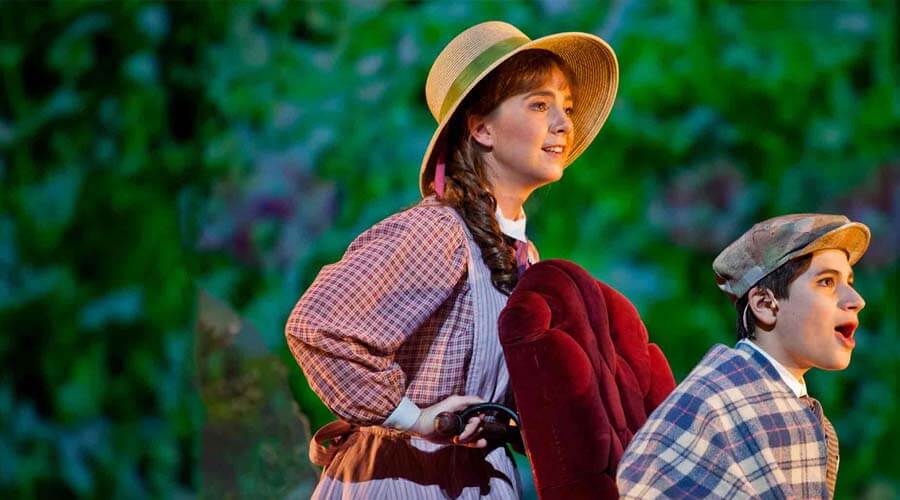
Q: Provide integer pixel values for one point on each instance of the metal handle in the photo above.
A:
(498, 420)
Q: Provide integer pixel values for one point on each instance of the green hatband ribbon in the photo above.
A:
(476, 67)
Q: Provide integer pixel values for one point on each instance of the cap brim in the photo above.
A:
(853, 238)
(596, 71)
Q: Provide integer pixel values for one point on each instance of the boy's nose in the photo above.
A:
(853, 300)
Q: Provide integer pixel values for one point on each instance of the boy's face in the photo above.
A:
(815, 324)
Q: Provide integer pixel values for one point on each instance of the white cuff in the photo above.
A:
(404, 416)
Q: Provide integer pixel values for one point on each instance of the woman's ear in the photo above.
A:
(763, 306)
(480, 130)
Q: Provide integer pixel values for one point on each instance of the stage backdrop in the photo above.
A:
(174, 175)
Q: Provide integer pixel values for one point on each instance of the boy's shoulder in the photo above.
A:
(724, 368)
(726, 376)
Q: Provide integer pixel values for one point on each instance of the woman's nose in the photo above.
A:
(562, 123)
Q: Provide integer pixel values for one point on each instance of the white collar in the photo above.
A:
(798, 387)
(512, 228)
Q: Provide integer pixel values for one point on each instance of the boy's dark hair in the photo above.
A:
(779, 281)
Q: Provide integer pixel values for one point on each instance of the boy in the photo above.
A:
(741, 424)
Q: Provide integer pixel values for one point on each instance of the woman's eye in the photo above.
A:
(569, 111)
(539, 106)
(826, 281)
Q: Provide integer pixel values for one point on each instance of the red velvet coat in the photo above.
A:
(583, 374)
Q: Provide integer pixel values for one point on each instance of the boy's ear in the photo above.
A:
(763, 306)
(480, 130)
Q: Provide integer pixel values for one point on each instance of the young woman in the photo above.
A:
(404, 326)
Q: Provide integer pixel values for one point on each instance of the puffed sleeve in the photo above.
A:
(357, 313)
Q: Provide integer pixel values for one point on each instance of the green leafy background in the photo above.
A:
(152, 154)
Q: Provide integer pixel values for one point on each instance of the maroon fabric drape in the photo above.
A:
(584, 376)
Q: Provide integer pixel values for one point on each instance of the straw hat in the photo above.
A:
(475, 52)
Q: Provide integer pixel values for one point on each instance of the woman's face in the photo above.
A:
(528, 136)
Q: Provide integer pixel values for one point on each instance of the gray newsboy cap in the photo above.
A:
(771, 243)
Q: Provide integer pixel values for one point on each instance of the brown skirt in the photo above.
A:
(375, 462)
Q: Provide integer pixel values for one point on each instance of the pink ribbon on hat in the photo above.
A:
(440, 171)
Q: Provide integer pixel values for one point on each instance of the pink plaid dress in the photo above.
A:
(408, 311)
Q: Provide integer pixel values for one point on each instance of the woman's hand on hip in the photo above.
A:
(424, 426)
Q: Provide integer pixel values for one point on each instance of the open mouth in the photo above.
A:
(846, 329)
(558, 150)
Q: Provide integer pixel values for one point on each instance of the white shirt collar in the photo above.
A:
(512, 228)
(798, 387)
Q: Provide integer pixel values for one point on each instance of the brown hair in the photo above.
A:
(467, 188)
(779, 281)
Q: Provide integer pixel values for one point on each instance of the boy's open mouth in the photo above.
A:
(846, 329)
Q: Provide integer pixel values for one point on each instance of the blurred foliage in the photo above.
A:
(254, 439)
(155, 153)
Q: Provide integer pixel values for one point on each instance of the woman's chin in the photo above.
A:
(546, 179)
(555, 173)
(543, 175)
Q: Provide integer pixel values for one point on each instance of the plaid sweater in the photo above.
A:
(732, 429)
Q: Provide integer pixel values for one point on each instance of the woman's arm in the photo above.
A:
(345, 329)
